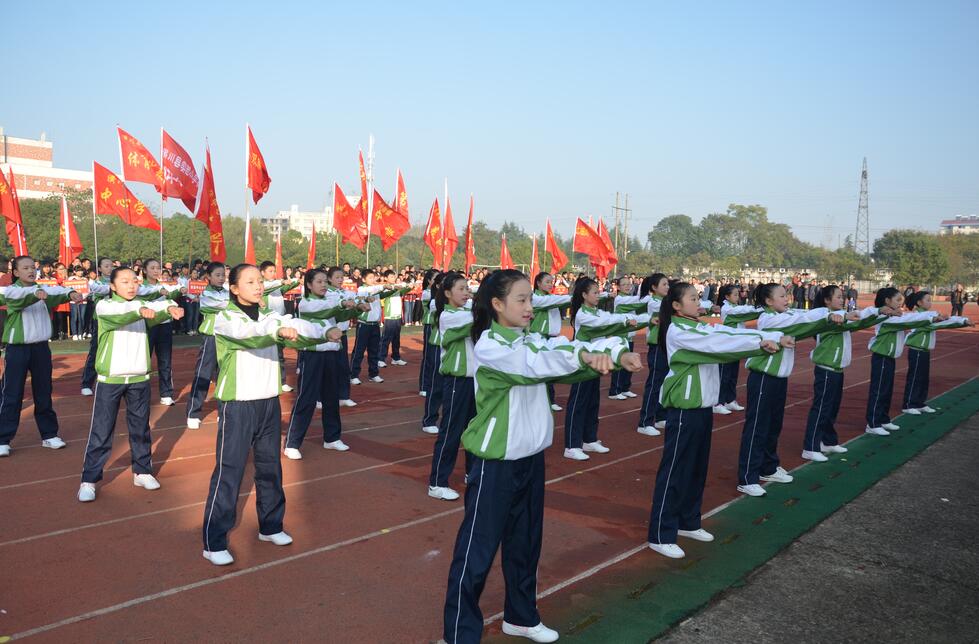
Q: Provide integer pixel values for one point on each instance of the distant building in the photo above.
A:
(34, 173)
(299, 220)
(961, 225)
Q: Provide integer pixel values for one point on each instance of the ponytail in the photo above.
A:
(496, 286)
(649, 283)
(885, 294)
(578, 295)
(446, 284)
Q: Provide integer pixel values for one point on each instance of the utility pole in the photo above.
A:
(625, 254)
(622, 212)
(861, 241)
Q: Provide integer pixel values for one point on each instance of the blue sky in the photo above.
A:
(539, 109)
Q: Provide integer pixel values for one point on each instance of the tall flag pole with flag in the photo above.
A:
(208, 212)
(558, 258)
(400, 205)
(258, 173)
(311, 257)
(347, 219)
(450, 240)
(588, 241)
(470, 242)
(110, 196)
(179, 177)
(138, 165)
(433, 234)
(366, 190)
(279, 270)
(387, 223)
(611, 259)
(534, 261)
(10, 210)
(69, 246)
(505, 260)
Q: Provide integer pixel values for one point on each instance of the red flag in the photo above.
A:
(311, 257)
(249, 244)
(279, 270)
(347, 219)
(137, 163)
(258, 173)
(112, 197)
(208, 212)
(505, 260)
(433, 234)
(364, 204)
(69, 247)
(588, 241)
(387, 223)
(450, 241)
(179, 177)
(558, 258)
(534, 261)
(610, 257)
(401, 197)
(10, 209)
(470, 242)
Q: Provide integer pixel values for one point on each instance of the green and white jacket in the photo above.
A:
(28, 318)
(334, 298)
(434, 336)
(427, 310)
(547, 313)
(923, 339)
(457, 347)
(158, 292)
(694, 349)
(889, 335)
(736, 316)
(630, 304)
(592, 323)
(653, 306)
(513, 413)
(123, 356)
(98, 289)
(213, 301)
(380, 291)
(328, 312)
(248, 358)
(792, 322)
(274, 291)
(833, 349)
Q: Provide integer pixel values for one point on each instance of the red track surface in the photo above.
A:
(371, 550)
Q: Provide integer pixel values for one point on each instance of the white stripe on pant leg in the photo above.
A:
(217, 484)
(910, 387)
(573, 406)
(652, 376)
(295, 403)
(3, 390)
(754, 427)
(465, 561)
(193, 388)
(880, 383)
(676, 447)
(95, 398)
(431, 393)
(819, 414)
(448, 425)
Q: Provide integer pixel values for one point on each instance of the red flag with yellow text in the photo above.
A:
(348, 220)
(112, 197)
(10, 210)
(450, 241)
(208, 212)
(534, 261)
(179, 176)
(137, 163)
(311, 257)
(505, 260)
(387, 223)
(433, 235)
(258, 172)
(558, 259)
(470, 242)
(69, 246)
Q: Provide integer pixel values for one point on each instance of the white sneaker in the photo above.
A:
(292, 454)
(339, 446)
(381, 364)
(219, 557)
(53, 443)
(617, 397)
(752, 490)
(286, 388)
(423, 394)
(146, 481)
(193, 423)
(734, 406)
(377, 379)
(444, 493)
(697, 535)
(660, 424)
(670, 550)
(75, 338)
(816, 457)
(911, 412)
(86, 492)
(400, 363)
(166, 400)
(355, 381)
(778, 476)
(891, 427)
(629, 394)
(86, 391)
(595, 447)
(928, 410)
(879, 431)
(539, 633)
(431, 429)
(346, 402)
(319, 404)
(721, 410)
(279, 538)
(556, 407)
(576, 454)
(648, 430)
(4, 450)
(832, 449)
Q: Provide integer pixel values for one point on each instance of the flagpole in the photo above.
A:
(370, 200)
(95, 230)
(247, 211)
(445, 205)
(163, 203)
(163, 192)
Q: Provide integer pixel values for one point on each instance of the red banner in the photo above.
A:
(387, 223)
(196, 287)
(112, 197)
(433, 234)
(258, 172)
(79, 284)
(179, 176)
(347, 219)
(137, 163)
(208, 211)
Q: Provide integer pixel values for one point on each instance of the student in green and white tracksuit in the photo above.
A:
(652, 415)
(735, 316)
(248, 390)
(626, 301)
(213, 300)
(920, 342)
(275, 290)
(26, 332)
(161, 335)
(833, 354)
(507, 437)
(123, 366)
(453, 314)
(98, 289)
(689, 393)
(547, 317)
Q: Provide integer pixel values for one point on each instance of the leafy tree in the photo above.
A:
(913, 257)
